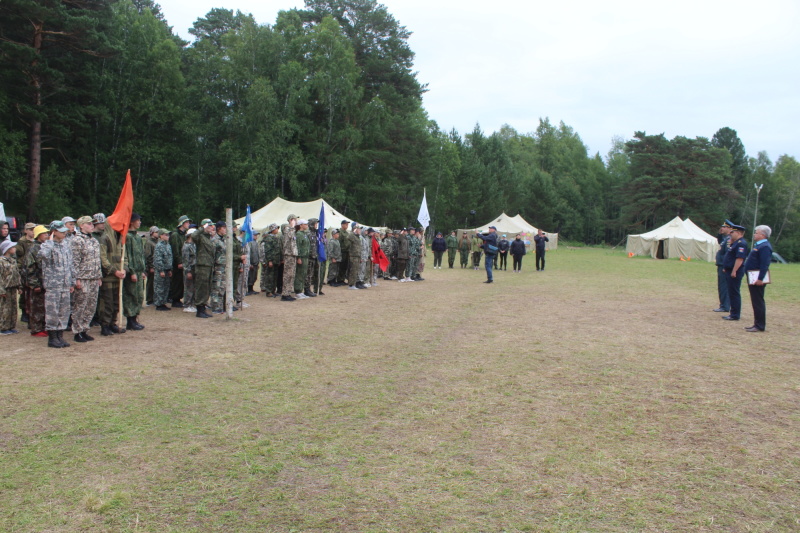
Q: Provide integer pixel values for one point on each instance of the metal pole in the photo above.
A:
(229, 264)
(755, 213)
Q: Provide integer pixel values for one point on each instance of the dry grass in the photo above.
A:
(599, 395)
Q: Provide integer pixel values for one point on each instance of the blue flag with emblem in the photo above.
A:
(322, 256)
(247, 227)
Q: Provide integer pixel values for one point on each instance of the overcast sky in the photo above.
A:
(605, 68)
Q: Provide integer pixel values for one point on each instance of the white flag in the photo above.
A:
(424, 217)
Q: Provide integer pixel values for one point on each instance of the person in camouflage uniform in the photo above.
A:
(271, 250)
(344, 243)
(189, 260)
(303, 252)
(334, 253)
(366, 260)
(34, 283)
(9, 286)
(135, 275)
(176, 240)
(387, 245)
(217, 296)
(402, 255)
(88, 278)
(204, 267)
(476, 251)
(252, 250)
(354, 258)
(114, 272)
(311, 283)
(59, 282)
(423, 254)
(263, 263)
(162, 261)
(150, 243)
(241, 268)
(452, 247)
(463, 248)
(393, 271)
(322, 273)
(413, 254)
(289, 248)
(21, 249)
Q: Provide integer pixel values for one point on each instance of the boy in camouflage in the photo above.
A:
(58, 275)
(334, 253)
(34, 283)
(162, 262)
(217, 297)
(88, 278)
(133, 284)
(189, 255)
(9, 285)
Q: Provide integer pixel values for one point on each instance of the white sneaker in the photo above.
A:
(353, 288)
(245, 304)
(368, 285)
(394, 278)
(189, 310)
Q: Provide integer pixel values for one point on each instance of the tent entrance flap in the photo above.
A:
(660, 251)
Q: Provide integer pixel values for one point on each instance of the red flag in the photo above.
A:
(120, 219)
(378, 257)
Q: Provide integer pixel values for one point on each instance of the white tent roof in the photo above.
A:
(679, 238)
(513, 225)
(278, 209)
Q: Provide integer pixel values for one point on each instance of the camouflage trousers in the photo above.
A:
(8, 310)
(451, 257)
(464, 258)
(312, 275)
(217, 297)
(202, 284)
(262, 279)
(333, 273)
(240, 289)
(35, 310)
(289, 268)
(421, 264)
(269, 279)
(300, 275)
(84, 304)
(56, 309)
(132, 295)
(161, 289)
(323, 271)
(108, 303)
(400, 268)
(353, 270)
(362, 270)
(373, 279)
(411, 268)
(188, 289)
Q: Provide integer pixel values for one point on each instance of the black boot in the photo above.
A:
(310, 294)
(86, 336)
(138, 326)
(79, 338)
(201, 312)
(52, 340)
(116, 329)
(60, 335)
(105, 331)
(24, 317)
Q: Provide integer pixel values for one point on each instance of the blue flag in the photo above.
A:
(322, 256)
(247, 228)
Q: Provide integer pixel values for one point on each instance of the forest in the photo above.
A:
(324, 102)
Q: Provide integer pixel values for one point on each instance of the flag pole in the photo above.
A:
(229, 264)
(121, 283)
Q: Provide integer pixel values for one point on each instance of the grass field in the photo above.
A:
(600, 395)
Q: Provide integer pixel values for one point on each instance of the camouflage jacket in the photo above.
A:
(162, 258)
(353, 247)
(476, 244)
(366, 248)
(189, 256)
(253, 252)
(149, 250)
(289, 242)
(303, 245)
(9, 274)
(32, 272)
(388, 247)
(452, 242)
(402, 247)
(413, 246)
(344, 241)
(134, 254)
(334, 250)
(271, 246)
(23, 245)
(111, 254)
(176, 240)
(464, 245)
(312, 241)
(219, 252)
(205, 248)
(237, 251)
(85, 256)
(57, 270)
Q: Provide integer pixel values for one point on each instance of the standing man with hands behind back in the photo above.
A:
(733, 266)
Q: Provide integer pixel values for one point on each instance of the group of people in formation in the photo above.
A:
(69, 275)
(736, 261)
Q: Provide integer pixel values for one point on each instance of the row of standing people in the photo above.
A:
(472, 247)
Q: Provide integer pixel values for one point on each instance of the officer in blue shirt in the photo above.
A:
(724, 239)
(733, 267)
(759, 259)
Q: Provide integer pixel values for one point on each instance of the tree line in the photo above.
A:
(324, 102)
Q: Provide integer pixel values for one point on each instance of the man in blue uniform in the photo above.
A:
(490, 250)
(733, 266)
(724, 239)
(759, 260)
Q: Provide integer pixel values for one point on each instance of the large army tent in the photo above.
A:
(513, 225)
(676, 238)
(278, 209)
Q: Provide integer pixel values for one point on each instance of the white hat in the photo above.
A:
(302, 221)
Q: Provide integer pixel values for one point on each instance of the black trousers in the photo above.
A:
(437, 259)
(539, 257)
(517, 264)
(503, 260)
(759, 306)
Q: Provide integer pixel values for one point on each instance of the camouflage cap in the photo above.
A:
(183, 219)
(334, 231)
(98, 218)
(163, 231)
(397, 232)
(57, 225)
(153, 229)
(272, 227)
(84, 220)
(313, 220)
(207, 222)
(291, 217)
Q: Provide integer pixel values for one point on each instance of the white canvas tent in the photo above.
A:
(674, 239)
(278, 209)
(510, 226)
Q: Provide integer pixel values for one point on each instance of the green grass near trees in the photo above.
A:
(600, 395)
